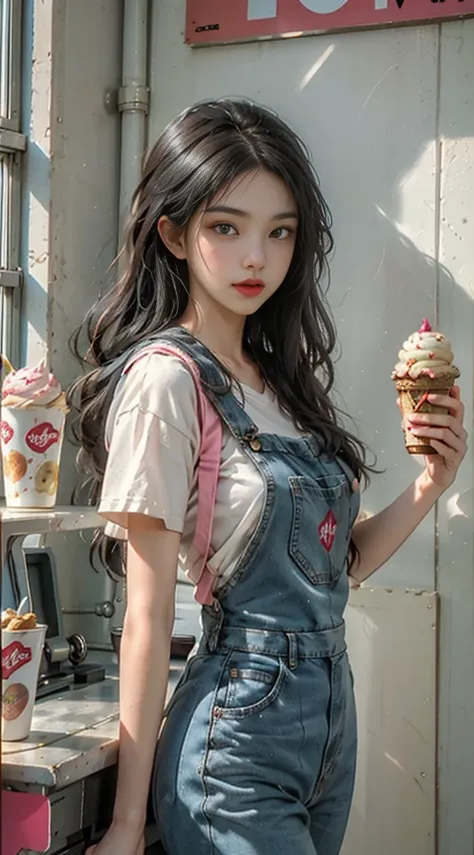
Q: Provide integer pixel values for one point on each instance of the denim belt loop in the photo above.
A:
(292, 650)
(214, 625)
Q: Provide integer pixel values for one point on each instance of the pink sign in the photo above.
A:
(25, 822)
(218, 21)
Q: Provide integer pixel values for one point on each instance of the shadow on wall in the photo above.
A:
(383, 140)
(372, 107)
(395, 146)
(386, 143)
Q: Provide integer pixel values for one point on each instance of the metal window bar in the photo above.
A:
(12, 144)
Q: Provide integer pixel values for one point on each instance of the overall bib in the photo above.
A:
(258, 750)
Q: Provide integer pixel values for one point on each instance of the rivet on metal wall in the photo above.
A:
(110, 100)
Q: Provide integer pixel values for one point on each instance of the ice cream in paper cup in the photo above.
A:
(22, 647)
(33, 415)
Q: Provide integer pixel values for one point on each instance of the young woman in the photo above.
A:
(218, 337)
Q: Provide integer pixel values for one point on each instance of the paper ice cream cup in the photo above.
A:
(21, 658)
(31, 443)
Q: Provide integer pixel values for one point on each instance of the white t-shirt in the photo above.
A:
(154, 438)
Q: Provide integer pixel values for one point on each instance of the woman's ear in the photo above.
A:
(172, 237)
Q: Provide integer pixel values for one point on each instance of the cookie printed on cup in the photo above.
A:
(14, 701)
(15, 466)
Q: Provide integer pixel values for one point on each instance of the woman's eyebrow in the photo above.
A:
(237, 212)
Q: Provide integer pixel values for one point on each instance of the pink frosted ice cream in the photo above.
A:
(32, 387)
(426, 356)
(425, 365)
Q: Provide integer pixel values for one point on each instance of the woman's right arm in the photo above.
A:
(152, 562)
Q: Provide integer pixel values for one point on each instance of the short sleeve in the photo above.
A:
(153, 437)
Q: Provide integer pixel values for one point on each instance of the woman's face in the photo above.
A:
(239, 248)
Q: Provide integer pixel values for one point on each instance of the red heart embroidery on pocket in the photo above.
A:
(327, 531)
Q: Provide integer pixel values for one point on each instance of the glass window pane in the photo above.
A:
(3, 237)
(10, 67)
(5, 7)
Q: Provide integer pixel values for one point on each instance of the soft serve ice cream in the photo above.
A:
(426, 355)
(32, 428)
(32, 387)
(425, 365)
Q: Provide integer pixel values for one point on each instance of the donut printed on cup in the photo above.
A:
(46, 478)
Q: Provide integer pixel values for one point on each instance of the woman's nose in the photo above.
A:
(254, 257)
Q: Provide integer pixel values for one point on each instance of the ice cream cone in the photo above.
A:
(413, 399)
(425, 367)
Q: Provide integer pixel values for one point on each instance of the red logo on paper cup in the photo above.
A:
(327, 531)
(6, 432)
(42, 437)
(14, 656)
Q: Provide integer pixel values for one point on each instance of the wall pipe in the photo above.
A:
(133, 98)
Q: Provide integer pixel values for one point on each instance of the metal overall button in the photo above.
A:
(252, 439)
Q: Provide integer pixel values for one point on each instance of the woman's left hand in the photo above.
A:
(446, 433)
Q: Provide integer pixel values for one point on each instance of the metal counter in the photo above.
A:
(16, 522)
(70, 755)
(73, 735)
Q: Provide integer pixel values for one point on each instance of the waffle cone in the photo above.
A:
(427, 384)
(413, 399)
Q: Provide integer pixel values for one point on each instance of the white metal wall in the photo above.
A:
(367, 104)
(455, 557)
(389, 117)
(72, 59)
(395, 798)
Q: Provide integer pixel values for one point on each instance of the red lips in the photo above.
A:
(249, 287)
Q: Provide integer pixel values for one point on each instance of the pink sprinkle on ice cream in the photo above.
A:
(30, 387)
(428, 354)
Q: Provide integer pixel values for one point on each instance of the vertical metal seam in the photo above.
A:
(437, 254)
(437, 247)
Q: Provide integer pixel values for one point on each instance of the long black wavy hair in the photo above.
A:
(291, 337)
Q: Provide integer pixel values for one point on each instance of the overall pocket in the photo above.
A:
(320, 529)
(249, 683)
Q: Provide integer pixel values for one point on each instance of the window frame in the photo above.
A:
(12, 146)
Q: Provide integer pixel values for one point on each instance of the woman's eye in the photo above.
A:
(225, 229)
(281, 232)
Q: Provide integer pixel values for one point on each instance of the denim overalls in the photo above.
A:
(257, 753)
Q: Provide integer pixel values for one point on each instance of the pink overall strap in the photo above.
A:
(208, 470)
